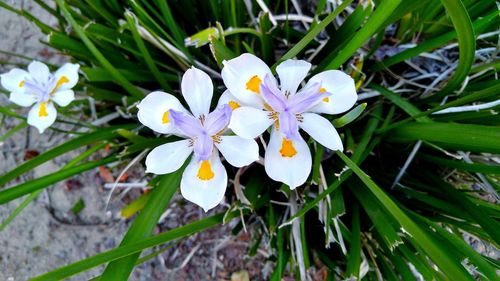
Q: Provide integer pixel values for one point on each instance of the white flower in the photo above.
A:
(258, 103)
(204, 180)
(40, 87)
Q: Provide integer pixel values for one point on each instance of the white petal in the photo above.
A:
(342, 88)
(169, 157)
(292, 73)
(248, 122)
(152, 111)
(197, 89)
(14, 79)
(42, 118)
(238, 151)
(322, 130)
(63, 97)
(237, 72)
(204, 193)
(70, 73)
(292, 171)
(22, 99)
(230, 99)
(39, 71)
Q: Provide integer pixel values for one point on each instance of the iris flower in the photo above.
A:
(259, 103)
(204, 180)
(40, 87)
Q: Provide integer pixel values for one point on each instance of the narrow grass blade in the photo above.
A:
(143, 225)
(442, 259)
(383, 10)
(136, 246)
(313, 33)
(122, 81)
(467, 137)
(34, 185)
(466, 45)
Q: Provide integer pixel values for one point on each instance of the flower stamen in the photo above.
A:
(21, 84)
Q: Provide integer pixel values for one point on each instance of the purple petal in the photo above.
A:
(186, 124)
(307, 98)
(272, 95)
(289, 125)
(203, 147)
(218, 119)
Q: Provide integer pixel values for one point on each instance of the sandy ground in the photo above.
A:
(47, 235)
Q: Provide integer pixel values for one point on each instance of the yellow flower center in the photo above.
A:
(21, 84)
(205, 172)
(233, 105)
(165, 119)
(322, 90)
(61, 81)
(287, 149)
(253, 84)
(42, 112)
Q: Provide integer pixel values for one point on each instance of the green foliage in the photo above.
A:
(382, 218)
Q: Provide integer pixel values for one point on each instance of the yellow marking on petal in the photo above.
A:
(253, 84)
(322, 90)
(165, 119)
(42, 112)
(61, 81)
(205, 172)
(287, 149)
(21, 84)
(233, 105)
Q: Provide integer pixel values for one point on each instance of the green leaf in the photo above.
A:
(471, 167)
(122, 81)
(350, 116)
(442, 259)
(135, 247)
(202, 37)
(78, 207)
(34, 185)
(132, 23)
(143, 225)
(466, 45)
(100, 135)
(382, 11)
(354, 258)
(466, 137)
(313, 33)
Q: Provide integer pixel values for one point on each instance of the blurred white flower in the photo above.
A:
(40, 87)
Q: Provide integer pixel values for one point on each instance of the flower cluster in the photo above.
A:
(252, 103)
